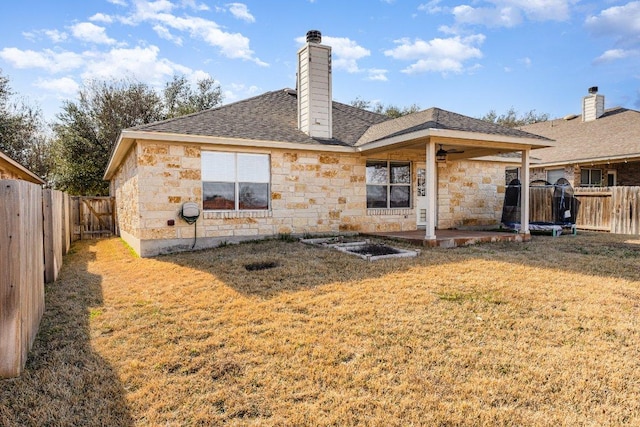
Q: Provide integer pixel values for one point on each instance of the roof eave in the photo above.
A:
(127, 137)
(18, 167)
(474, 139)
(598, 160)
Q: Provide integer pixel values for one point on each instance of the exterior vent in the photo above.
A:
(314, 36)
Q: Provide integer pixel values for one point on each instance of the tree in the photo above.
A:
(389, 110)
(181, 99)
(22, 132)
(511, 119)
(88, 129)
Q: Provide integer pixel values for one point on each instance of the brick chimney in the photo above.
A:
(314, 87)
(592, 105)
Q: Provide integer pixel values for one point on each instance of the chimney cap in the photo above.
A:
(314, 36)
(593, 89)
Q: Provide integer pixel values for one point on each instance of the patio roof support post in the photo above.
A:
(432, 202)
(524, 192)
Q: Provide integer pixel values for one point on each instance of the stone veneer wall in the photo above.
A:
(470, 194)
(124, 186)
(311, 192)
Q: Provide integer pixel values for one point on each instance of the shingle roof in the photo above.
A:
(272, 117)
(614, 134)
(435, 118)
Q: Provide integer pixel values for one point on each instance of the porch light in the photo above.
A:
(441, 155)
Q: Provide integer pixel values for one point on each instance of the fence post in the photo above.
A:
(49, 251)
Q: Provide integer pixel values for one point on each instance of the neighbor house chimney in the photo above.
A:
(314, 87)
(592, 105)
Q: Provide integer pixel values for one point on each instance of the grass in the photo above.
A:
(537, 334)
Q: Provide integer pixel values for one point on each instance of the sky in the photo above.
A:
(466, 56)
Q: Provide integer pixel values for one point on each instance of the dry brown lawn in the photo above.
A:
(538, 334)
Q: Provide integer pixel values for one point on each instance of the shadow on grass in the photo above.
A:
(65, 383)
(266, 268)
(597, 254)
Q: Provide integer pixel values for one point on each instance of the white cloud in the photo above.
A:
(47, 59)
(439, 55)
(377, 74)
(240, 11)
(615, 55)
(526, 61)
(192, 4)
(101, 17)
(142, 63)
(490, 17)
(345, 52)
(118, 2)
(431, 7)
(619, 21)
(164, 33)
(231, 45)
(510, 13)
(88, 32)
(64, 86)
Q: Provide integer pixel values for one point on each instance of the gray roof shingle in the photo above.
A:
(436, 118)
(272, 116)
(614, 134)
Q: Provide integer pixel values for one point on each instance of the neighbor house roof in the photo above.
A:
(16, 169)
(271, 119)
(613, 136)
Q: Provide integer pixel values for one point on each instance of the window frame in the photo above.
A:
(238, 185)
(590, 172)
(389, 184)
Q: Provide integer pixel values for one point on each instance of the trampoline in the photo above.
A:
(553, 207)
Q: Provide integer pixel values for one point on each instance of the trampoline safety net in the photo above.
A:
(552, 204)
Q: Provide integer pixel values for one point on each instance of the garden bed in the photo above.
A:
(365, 249)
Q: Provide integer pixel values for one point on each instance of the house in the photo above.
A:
(295, 161)
(10, 169)
(599, 147)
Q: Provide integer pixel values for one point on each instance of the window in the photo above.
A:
(510, 174)
(235, 181)
(388, 184)
(591, 177)
(553, 175)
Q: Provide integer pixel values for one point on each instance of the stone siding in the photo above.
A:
(124, 186)
(470, 194)
(311, 192)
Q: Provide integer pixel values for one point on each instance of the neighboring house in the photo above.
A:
(294, 161)
(10, 169)
(600, 147)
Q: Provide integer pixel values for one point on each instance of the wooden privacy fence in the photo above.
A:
(93, 217)
(35, 233)
(612, 209)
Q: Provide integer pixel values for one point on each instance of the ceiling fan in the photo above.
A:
(441, 154)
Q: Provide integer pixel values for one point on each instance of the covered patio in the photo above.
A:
(441, 137)
(453, 238)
